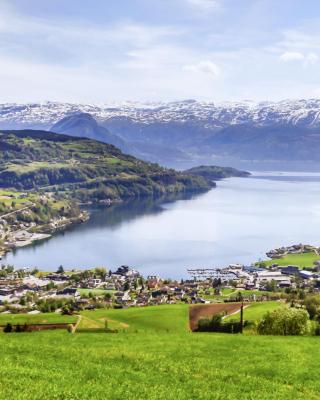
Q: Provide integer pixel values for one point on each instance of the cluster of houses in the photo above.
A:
(281, 277)
(294, 249)
(127, 288)
(123, 288)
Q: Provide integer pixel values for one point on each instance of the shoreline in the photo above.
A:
(25, 238)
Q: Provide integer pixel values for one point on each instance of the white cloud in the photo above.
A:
(204, 4)
(291, 56)
(204, 67)
(312, 58)
(307, 59)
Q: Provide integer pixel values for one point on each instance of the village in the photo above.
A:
(33, 291)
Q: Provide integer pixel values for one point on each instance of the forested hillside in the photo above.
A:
(215, 173)
(83, 169)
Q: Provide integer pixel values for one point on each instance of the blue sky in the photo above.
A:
(103, 50)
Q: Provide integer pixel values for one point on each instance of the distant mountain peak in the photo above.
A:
(203, 132)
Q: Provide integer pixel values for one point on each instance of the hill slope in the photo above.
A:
(84, 169)
(158, 365)
(84, 125)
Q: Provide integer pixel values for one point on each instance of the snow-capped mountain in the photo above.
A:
(295, 112)
(188, 132)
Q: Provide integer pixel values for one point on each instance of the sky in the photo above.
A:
(100, 51)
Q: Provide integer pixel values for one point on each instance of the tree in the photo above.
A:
(107, 296)
(101, 272)
(271, 286)
(34, 271)
(285, 321)
(60, 270)
(23, 301)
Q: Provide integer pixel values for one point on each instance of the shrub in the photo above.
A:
(317, 330)
(285, 321)
(312, 304)
(7, 328)
(209, 324)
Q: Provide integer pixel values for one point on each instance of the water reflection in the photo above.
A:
(236, 222)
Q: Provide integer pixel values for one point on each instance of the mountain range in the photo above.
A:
(275, 135)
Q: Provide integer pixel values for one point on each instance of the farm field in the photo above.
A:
(199, 311)
(158, 365)
(42, 318)
(302, 260)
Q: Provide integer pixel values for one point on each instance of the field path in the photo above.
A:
(17, 211)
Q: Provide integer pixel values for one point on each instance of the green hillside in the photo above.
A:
(163, 365)
(85, 169)
(301, 260)
(154, 319)
(256, 311)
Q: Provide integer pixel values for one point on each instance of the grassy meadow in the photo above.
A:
(302, 260)
(255, 311)
(156, 319)
(154, 356)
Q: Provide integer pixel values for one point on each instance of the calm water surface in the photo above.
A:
(236, 222)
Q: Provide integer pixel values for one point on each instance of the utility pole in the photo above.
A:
(241, 317)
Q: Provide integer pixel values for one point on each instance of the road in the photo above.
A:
(17, 211)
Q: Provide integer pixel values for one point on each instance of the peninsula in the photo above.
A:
(46, 177)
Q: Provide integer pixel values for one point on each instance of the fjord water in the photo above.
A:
(236, 222)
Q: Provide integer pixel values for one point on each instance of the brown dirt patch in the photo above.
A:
(208, 310)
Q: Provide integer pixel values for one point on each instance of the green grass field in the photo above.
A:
(255, 311)
(166, 318)
(59, 365)
(301, 260)
(95, 292)
(42, 318)
(7, 197)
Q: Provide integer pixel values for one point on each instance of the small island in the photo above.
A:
(215, 173)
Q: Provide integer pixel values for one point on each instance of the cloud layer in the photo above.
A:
(151, 50)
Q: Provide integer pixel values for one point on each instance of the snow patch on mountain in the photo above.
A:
(214, 115)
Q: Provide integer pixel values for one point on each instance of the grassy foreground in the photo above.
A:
(154, 356)
(60, 365)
